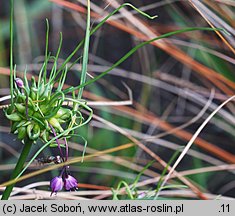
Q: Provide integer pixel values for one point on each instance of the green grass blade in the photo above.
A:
(128, 190)
(46, 51)
(174, 156)
(141, 173)
(86, 51)
(11, 52)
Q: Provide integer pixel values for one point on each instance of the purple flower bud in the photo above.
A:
(19, 82)
(56, 184)
(70, 183)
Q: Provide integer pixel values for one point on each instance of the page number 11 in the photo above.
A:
(224, 208)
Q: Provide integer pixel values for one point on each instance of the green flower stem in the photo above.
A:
(18, 168)
(11, 53)
(85, 52)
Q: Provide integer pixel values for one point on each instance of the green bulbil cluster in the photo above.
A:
(36, 109)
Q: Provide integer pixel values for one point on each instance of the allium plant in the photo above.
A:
(40, 111)
(43, 110)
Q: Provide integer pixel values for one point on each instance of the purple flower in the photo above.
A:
(56, 184)
(19, 82)
(70, 183)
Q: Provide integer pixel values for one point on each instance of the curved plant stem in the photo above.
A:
(18, 168)
(133, 50)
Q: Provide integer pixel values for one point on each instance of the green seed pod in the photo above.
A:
(36, 131)
(61, 121)
(20, 124)
(63, 113)
(22, 132)
(55, 123)
(14, 117)
(60, 112)
(26, 123)
(41, 88)
(33, 131)
(37, 115)
(45, 136)
(32, 104)
(46, 125)
(30, 112)
(21, 98)
(14, 126)
(33, 82)
(20, 107)
(29, 130)
(44, 108)
(46, 93)
(53, 145)
(33, 93)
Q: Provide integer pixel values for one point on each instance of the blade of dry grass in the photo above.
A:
(9, 149)
(195, 135)
(228, 2)
(163, 143)
(202, 10)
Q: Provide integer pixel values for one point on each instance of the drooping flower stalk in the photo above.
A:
(64, 179)
(57, 141)
(67, 149)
